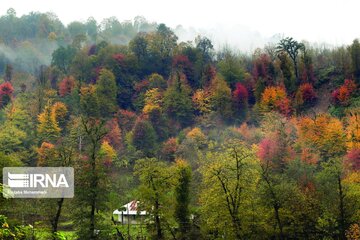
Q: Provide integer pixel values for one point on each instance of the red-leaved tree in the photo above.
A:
(343, 94)
(6, 91)
(66, 86)
(353, 159)
(114, 137)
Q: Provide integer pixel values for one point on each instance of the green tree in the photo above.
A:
(292, 48)
(205, 46)
(17, 130)
(76, 28)
(11, 138)
(89, 103)
(355, 59)
(230, 67)
(8, 161)
(275, 188)
(92, 184)
(182, 195)
(81, 66)
(138, 46)
(161, 46)
(230, 179)
(92, 28)
(8, 72)
(157, 81)
(60, 155)
(106, 92)
(287, 73)
(155, 194)
(203, 56)
(144, 137)
(62, 58)
(177, 101)
(220, 97)
(338, 197)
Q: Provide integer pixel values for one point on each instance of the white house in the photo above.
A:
(129, 213)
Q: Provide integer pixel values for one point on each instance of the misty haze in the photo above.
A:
(186, 120)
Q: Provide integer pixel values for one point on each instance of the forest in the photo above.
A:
(211, 143)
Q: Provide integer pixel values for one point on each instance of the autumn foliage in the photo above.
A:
(153, 99)
(240, 94)
(309, 156)
(169, 149)
(120, 59)
(66, 86)
(107, 153)
(268, 149)
(126, 119)
(201, 101)
(114, 136)
(6, 89)
(45, 153)
(342, 94)
(182, 63)
(212, 144)
(353, 131)
(144, 136)
(352, 159)
(50, 119)
(263, 68)
(275, 98)
(196, 135)
(307, 92)
(324, 134)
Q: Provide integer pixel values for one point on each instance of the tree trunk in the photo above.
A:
(55, 220)
(237, 227)
(92, 220)
(276, 207)
(157, 221)
(93, 187)
(341, 209)
(278, 220)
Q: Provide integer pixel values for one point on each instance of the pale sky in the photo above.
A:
(333, 21)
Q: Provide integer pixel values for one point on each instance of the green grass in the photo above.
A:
(45, 234)
(134, 230)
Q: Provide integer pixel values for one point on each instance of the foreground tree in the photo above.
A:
(60, 155)
(182, 195)
(92, 183)
(154, 192)
(230, 179)
(339, 197)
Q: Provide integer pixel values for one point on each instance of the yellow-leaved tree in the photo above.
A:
(324, 134)
(230, 178)
(49, 121)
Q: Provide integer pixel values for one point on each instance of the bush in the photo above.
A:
(342, 95)
(275, 98)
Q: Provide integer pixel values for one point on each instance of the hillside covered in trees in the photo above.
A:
(214, 144)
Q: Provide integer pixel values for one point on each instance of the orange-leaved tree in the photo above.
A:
(275, 98)
(324, 134)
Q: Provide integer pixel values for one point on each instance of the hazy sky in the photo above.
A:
(332, 21)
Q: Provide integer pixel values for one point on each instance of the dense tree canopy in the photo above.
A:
(212, 144)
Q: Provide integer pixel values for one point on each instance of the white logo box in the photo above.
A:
(38, 182)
